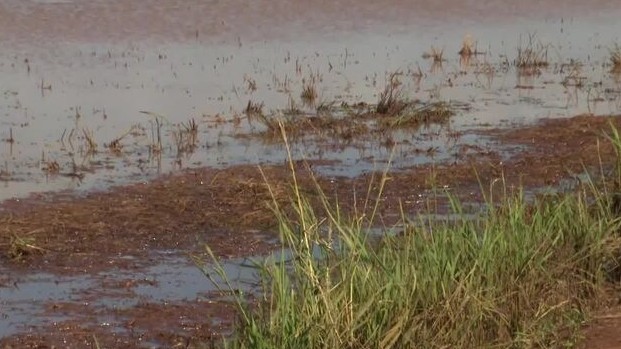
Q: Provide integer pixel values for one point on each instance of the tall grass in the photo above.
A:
(523, 275)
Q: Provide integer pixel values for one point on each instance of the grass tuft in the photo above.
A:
(532, 55)
(309, 91)
(615, 58)
(91, 144)
(436, 54)
(21, 247)
(185, 137)
(51, 167)
(467, 47)
(253, 108)
(412, 116)
(391, 100)
(522, 274)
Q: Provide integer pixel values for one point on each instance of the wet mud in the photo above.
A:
(131, 135)
(121, 291)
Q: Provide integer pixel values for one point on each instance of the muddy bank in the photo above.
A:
(83, 268)
(553, 150)
(229, 208)
(100, 247)
(111, 236)
(224, 208)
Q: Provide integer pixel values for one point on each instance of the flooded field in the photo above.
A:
(144, 122)
(82, 115)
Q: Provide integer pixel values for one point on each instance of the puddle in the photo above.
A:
(55, 97)
(25, 296)
(40, 300)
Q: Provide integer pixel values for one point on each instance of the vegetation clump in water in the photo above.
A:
(360, 122)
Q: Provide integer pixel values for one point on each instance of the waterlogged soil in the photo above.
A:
(231, 209)
(90, 271)
(131, 135)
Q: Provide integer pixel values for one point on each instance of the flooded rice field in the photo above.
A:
(135, 127)
(88, 115)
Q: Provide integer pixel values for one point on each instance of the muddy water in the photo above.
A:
(38, 302)
(99, 80)
(221, 20)
(67, 67)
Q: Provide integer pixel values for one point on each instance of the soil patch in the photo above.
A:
(228, 209)
(603, 331)
(190, 324)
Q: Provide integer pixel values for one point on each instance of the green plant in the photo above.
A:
(522, 274)
(22, 246)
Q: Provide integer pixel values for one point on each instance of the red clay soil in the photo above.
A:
(603, 331)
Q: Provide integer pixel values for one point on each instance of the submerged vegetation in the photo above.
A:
(615, 58)
(361, 122)
(413, 116)
(391, 99)
(531, 55)
(346, 122)
(521, 274)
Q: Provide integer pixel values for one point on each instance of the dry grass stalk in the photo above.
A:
(10, 140)
(186, 137)
(467, 46)
(615, 58)
(390, 100)
(91, 145)
(533, 55)
(575, 77)
(253, 108)
(292, 108)
(191, 126)
(435, 53)
(251, 83)
(309, 90)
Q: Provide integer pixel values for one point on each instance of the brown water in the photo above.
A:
(35, 302)
(73, 65)
(219, 20)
